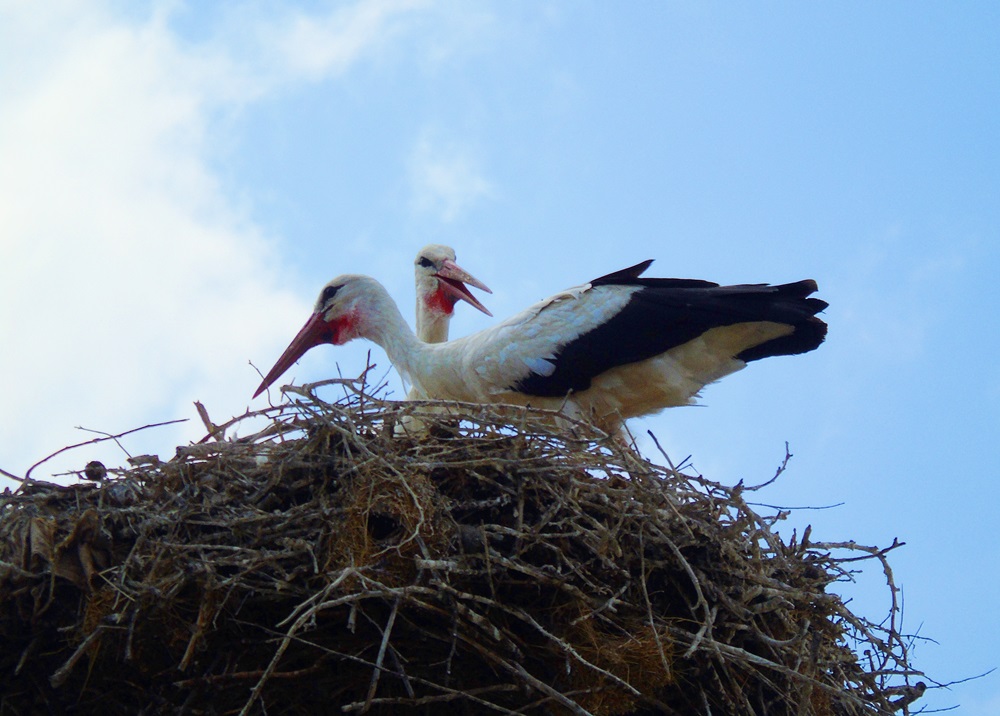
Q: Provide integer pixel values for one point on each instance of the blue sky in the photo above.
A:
(177, 183)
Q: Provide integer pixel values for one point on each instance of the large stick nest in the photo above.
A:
(324, 565)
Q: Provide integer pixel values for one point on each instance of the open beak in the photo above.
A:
(315, 331)
(453, 278)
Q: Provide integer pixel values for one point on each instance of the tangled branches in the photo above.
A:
(326, 564)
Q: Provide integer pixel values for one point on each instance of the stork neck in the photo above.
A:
(432, 326)
(386, 326)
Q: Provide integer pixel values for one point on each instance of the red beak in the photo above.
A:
(315, 331)
(453, 278)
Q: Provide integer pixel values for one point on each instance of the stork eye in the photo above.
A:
(328, 293)
(424, 262)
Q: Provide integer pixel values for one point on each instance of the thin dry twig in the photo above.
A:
(105, 437)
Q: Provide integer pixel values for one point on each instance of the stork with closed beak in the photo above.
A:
(620, 346)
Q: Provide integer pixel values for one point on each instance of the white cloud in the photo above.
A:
(314, 46)
(129, 284)
(445, 179)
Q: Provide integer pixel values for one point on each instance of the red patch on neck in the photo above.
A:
(441, 302)
(343, 329)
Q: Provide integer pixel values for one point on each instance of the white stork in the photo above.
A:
(440, 285)
(618, 347)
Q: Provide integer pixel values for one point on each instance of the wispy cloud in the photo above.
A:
(445, 179)
(313, 46)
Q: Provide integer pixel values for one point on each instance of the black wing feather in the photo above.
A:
(667, 313)
(626, 273)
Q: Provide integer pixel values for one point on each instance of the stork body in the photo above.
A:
(618, 347)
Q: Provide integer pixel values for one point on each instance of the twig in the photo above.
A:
(377, 671)
(777, 473)
(214, 431)
(11, 475)
(60, 675)
(27, 476)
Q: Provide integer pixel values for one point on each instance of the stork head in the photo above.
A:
(441, 281)
(342, 313)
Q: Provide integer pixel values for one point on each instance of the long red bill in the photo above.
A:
(314, 332)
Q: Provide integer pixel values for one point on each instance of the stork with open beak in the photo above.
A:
(441, 283)
(620, 346)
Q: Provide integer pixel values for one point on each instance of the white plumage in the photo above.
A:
(617, 347)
